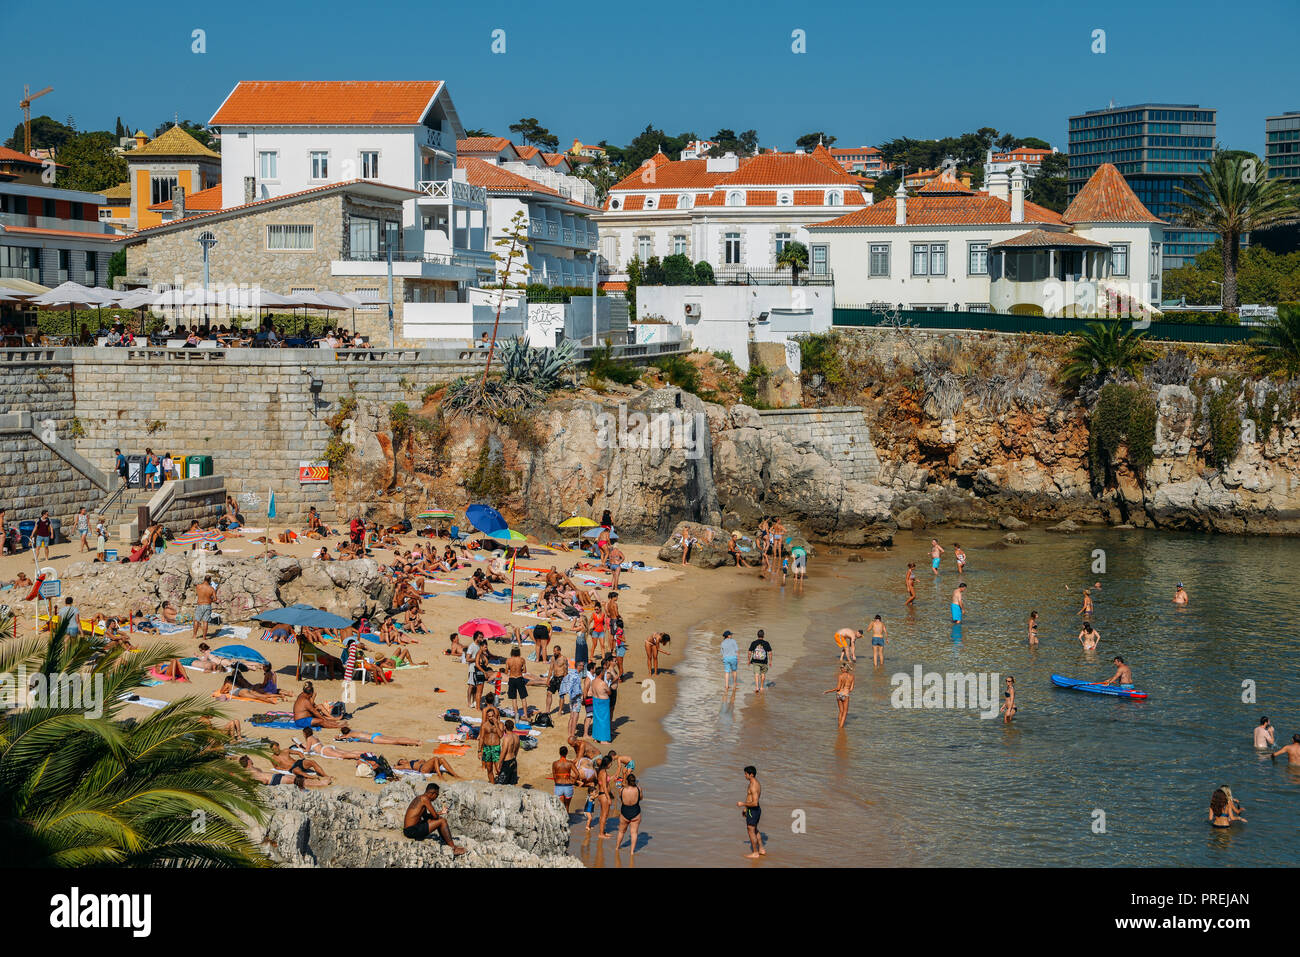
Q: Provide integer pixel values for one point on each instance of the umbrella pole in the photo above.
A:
(513, 562)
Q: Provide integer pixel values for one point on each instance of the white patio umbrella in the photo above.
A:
(72, 295)
(139, 299)
(318, 300)
(9, 294)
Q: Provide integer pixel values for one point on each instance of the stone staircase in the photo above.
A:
(120, 509)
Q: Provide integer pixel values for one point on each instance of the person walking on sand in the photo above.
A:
(760, 658)
(843, 688)
(879, 635)
(753, 812)
(936, 553)
(958, 603)
(83, 529)
(1033, 629)
(730, 662)
(910, 582)
(1008, 708)
(204, 593)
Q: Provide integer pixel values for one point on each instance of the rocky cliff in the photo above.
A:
(349, 827)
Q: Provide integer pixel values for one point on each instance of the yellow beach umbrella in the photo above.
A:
(577, 522)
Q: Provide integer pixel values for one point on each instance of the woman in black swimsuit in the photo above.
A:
(630, 813)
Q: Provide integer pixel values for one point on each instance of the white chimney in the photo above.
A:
(998, 186)
(727, 163)
(1018, 195)
(900, 205)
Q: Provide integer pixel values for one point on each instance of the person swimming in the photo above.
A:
(1089, 637)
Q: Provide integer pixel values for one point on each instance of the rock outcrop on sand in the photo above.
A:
(245, 586)
(349, 827)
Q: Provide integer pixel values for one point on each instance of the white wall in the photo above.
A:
(462, 322)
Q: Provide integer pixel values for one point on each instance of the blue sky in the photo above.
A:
(603, 71)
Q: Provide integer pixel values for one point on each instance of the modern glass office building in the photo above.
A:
(1282, 145)
(1158, 147)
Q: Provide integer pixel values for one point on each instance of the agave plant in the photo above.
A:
(527, 376)
(545, 368)
(82, 787)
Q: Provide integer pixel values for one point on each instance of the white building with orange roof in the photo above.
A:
(949, 247)
(281, 137)
(551, 170)
(1027, 158)
(860, 159)
(734, 213)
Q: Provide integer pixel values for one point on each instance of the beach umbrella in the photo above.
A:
(489, 628)
(437, 513)
(189, 538)
(577, 522)
(304, 616)
(70, 294)
(595, 533)
(506, 535)
(241, 653)
(485, 518)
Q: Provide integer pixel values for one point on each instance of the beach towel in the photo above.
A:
(284, 725)
(455, 750)
(145, 702)
(158, 674)
(600, 722)
(166, 628)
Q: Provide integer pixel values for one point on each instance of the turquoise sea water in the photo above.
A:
(947, 787)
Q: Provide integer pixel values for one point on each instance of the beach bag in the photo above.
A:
(528, 742)
(336, 710)
(543, 721)
(364, 770)
(452, 715)
(385, 770)
(471, 592)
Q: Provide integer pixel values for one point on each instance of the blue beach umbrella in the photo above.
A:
(485, 518)
(304, 616)
(595, 533)
(241, 653)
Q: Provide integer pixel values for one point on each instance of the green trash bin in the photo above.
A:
(205, 465)
(193, 466)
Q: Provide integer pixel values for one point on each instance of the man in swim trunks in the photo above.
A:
(489, 740)
(936, 553)
(1292, 750)
(306, 712)
(1089, 636)
(562, 773)
(509, 773)
(879, 635)
(1264, 733)
(517, 683)
(283, 761)
(203, 596)
(958, 603)
(423, 820)
(1180, 594)
(1123, 676)
(753, 812)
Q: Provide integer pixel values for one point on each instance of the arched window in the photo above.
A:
(833, 197)
(615, 203)
(784, 198)
(650, 202)
(735, 198)
(684, 201)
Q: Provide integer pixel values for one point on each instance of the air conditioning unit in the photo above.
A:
(692, 310)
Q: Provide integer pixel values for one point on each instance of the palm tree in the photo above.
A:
(1232, 197)
(1279, 340)
(1107, 349)
(81, 787)
(795, 256)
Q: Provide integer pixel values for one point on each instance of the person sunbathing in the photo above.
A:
(140, 623)
(23, 583)
(227, 691)
(171, 670)
(455, 648)
(402, 656)
(274, 778)
(375, 737)
(231, 728)
(268, 683)
(168, 613)
(304, 766)
(307, 712)
(314, 745)
(435, 765)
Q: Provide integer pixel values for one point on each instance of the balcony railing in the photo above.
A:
(735, 276)
(437, 259)
(462, 194)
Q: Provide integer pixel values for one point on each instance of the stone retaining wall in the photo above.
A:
(839, 435)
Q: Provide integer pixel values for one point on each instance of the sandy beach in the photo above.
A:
(666, 599)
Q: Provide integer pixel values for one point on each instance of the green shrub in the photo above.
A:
(819, 355)
(680, 373)
(603, 365)
(1124, 415)
(749, 385)
(489, 482)
(1224, 424)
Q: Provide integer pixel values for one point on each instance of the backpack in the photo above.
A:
(543, 720)
(471, 592)
(452, 715)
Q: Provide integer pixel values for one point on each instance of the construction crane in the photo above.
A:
(26, 104)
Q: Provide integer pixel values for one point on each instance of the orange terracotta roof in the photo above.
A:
(555, 159)
(526, 152)
(120, 191)
(326, 103)
(614, 285)
(667, 201)
(1045, 239)
(17, 156)
(978, 209)
(495, 179)
(946, 184)
(1107, 198)
(789, 169)
(276, 199)
(174, 142)
(760, 197)
(809, 197)
(205, 199)
(850, 151)
(482, 144)
(37, 231)
(683, 174)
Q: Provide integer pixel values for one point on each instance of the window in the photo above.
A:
(938, 259)
(929, 259)
(78, 211)
(1155, 261)
(684, 201)
(834, 197)
(920, 259)
(268, 165)
(679, 245)
(65, 263)
(735, 198)
(320, 164)
(363, 237)
(731, 249)
(49, 210)
(367, 292)
(20, 262)
(105, 213)
(818, 261)
(978, 256)
(784, 198)
(370, 164)
(1119, 259)
(391, 238)
(290, 236)
(161, 189)
(978, 307)
(645, 247)
(781, 240)
(878, 260)
(650, 202)
(92, 267)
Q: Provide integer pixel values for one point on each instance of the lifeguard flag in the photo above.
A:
(270, 509)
